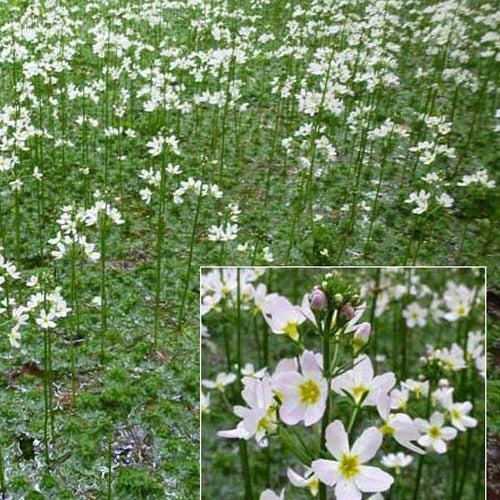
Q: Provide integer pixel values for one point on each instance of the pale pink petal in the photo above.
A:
(287, 381)
(439, 446)
(448, 433)
(309, 365)
(295, 479)
(346, 490)
(343, 382)
(363, 370)
(367, 445)
(306, 309)
(337, 442)
(424, 440)
(372, 479)
(314, 413)
(326, 471)
(437, 419)
(469, 421)
(291, 412)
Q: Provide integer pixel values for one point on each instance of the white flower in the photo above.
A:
(418, 387)
(452, 359)
(15, 337)
(220, 382)
(146, 195)
(415, 315)
(445, 200)
(283, 317)
(259, 418)
(459, 415)
(362, 385)
(270, 495)
(309, 480)
(303, 394)
(400, 426)
(267, 254)
(347, 472)
(32, 281)
(249, 371)
(458, 299)
(397, 461)
(421, 199)
(45, 320)
(155, 146)
(435, 434)
(204, 402)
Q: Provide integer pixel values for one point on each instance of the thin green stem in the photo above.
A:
(243, 445)
(190, 258)
(352, 421)
(3, 486)
(104, 301)
(110, 462)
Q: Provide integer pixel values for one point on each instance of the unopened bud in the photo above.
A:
(361, 336)
(347, 311)
(443, 382)
(318, 300)
(338, 298)
(363, 332)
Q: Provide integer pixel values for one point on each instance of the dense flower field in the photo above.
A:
(373, 384)
(139, 140)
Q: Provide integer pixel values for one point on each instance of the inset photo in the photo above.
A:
(343, 383)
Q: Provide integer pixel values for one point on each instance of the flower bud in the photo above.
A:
(318, 300)
(347, 311)
(363, 331)
(338, 298)
(361, 335)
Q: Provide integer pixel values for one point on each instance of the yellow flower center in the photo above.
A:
(291, 330)
(387, 430)
(264, 424)
(349, 466)
(448, 365)
(415, 315)
(460, 310)
(358, 392)
(435, 432)
(314, 486)
(456, 414)
(418, 391)
(271, 412)
(309, 392)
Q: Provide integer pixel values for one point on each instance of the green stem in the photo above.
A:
(110, 462)
(76, 322)
(327, 373)
(190, 258)
(421, 457)
(352, 421)
(3, 487)
(243, 444)
(104, 307)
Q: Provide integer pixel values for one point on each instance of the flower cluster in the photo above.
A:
(17, 306)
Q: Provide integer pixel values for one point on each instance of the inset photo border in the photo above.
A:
(349, 383)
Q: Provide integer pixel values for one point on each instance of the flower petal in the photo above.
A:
(346, 490)
(337, 442)
(327, 471)
(372, 479)
(367, 445)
